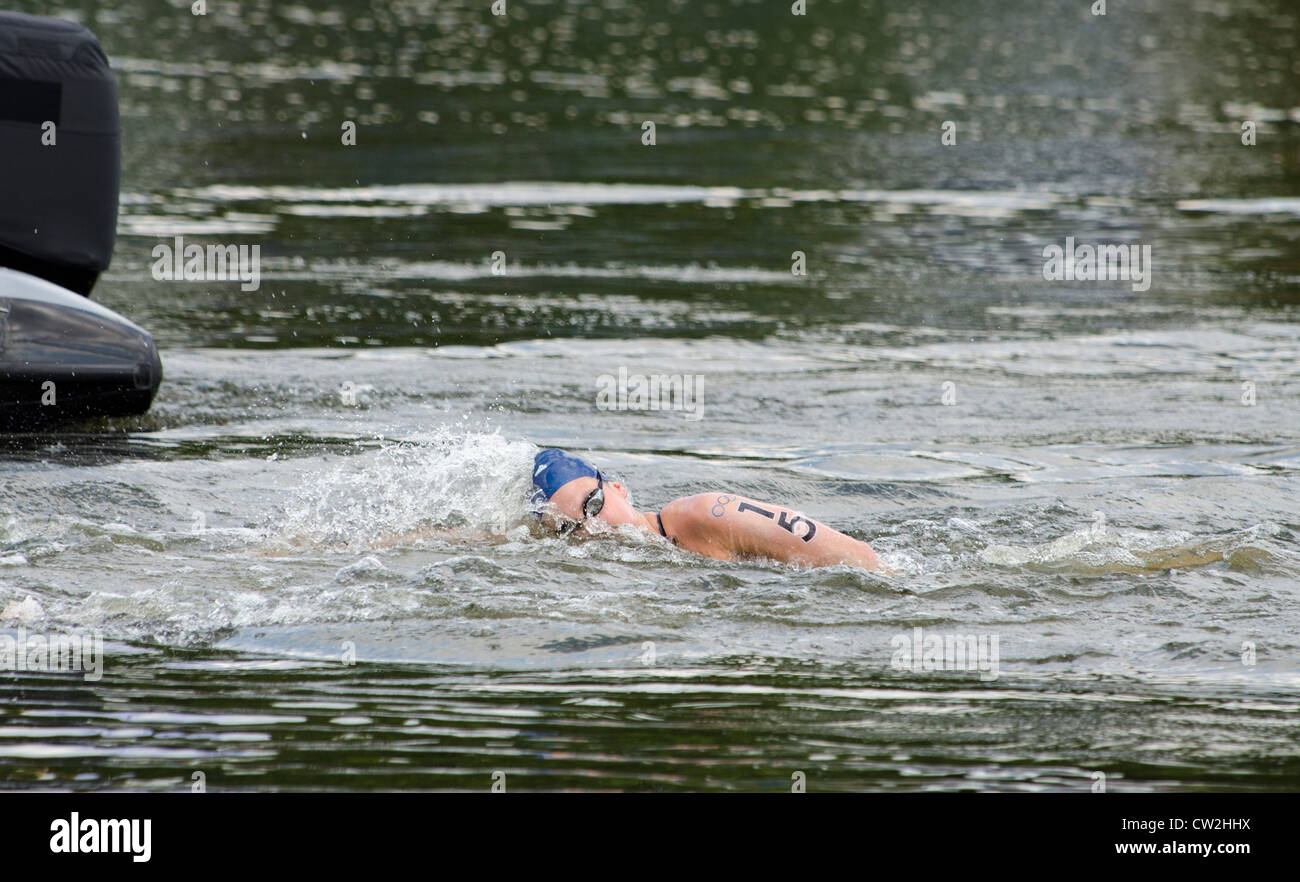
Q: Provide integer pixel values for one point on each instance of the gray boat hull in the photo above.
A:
(64, 357)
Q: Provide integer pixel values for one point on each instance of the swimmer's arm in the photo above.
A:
(725, 526)
(388, 540)
(419, 534)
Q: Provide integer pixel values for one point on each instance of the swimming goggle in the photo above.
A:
(591, 507)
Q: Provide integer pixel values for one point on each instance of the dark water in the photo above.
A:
(311, 561)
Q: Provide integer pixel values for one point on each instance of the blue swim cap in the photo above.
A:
(553, 468)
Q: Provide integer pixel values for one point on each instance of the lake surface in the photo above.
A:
(312, 563)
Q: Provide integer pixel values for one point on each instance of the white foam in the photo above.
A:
(471, 482)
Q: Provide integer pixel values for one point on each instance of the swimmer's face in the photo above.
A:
(568, 502)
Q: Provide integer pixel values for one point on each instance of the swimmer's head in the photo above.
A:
(568, 492)
(553, 468)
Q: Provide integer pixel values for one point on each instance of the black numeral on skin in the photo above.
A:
(789, 525)
(787, 520)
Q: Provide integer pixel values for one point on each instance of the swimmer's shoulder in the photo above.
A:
(693, 522)
(684, 514)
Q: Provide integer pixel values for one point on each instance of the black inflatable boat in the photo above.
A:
(63, 357)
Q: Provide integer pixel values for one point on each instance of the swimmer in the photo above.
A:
(572, 497)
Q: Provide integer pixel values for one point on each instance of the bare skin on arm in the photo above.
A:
(388, 540)
(725, 526)
(722, 526)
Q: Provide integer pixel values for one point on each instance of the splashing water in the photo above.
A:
(474, 482)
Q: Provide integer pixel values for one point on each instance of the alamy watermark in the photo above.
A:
(680, 392)
(921, 651)
(1098, 263)
(66, 653)
(78, 835)
(179, 262)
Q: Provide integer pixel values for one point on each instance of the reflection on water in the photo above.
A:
(252, 724)
(1102, 478)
